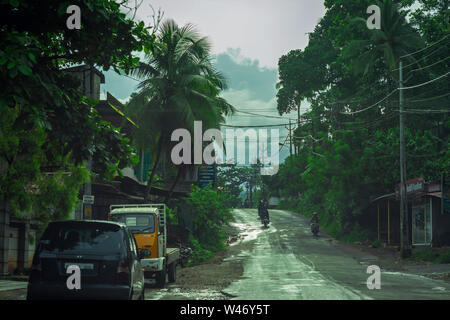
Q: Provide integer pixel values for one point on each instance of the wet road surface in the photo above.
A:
(288, 263)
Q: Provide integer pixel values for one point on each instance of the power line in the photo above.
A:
(429, 46)
(430, 65)
(254, 126)
(428, 99)
(373, 105)
(395, 90)
(425, 83)
(263, 115)
(421, 111)
(408, 65)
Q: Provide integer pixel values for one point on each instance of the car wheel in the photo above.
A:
(172, 272)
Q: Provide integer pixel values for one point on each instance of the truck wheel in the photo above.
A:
(161, 277)
(172, 272)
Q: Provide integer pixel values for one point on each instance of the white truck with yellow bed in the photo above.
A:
(147, 222)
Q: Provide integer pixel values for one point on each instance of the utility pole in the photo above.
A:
(290, 138)
(405, 246)
(297, 148)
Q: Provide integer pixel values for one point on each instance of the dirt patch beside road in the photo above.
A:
(216, 273)
(208, 279)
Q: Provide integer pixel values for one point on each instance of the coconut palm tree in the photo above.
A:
(386, 45)
(179, 85)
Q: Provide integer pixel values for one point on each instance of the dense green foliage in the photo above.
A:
(179, 86)
(233, 179)
(48, 128)
(210, 212)
(348, 142)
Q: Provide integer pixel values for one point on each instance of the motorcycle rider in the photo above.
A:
(265, 209)
(261, 208)
(315, 218)
(315, 223)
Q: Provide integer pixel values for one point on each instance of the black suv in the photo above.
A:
(105, 253)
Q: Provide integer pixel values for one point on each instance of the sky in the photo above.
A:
(248, 38)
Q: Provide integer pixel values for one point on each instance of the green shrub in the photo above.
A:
(377, 244)
(199, 254)
(425, 255)
(211, 213)
(443, 258)
(358, 234)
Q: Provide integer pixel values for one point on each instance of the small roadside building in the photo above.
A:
(429, 224)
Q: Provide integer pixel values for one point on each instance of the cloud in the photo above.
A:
(244, 73)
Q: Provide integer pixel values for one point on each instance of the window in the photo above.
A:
(83, 237)
(137, 222)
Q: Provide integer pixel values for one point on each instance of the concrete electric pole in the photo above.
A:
(405, 246)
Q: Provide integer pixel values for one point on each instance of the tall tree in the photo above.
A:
(52, 127)
(180, 85)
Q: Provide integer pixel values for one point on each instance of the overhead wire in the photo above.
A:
(423, 49)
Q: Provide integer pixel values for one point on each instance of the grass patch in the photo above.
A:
(433, 255)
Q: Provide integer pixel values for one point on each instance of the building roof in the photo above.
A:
(133, 210)
(86, 67)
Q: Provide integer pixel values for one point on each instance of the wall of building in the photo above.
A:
(13, 249)
(441, 224)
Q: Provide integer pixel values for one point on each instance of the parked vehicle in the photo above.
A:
(105, 253)
(315, 228)
(147, 222)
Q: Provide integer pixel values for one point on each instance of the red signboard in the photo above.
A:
(413, 186)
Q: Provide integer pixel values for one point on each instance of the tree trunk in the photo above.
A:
(155, 166)
(174, 184)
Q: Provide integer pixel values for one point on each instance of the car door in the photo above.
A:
(136, 270)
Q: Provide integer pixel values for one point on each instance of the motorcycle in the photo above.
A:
(185, 253)
(315, 228)
(265, 219)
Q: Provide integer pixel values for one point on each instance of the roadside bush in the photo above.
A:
(435, 255)
(358, 234)
(425, 255)
(199, 254)
(443, 258)
(210, 214)
(377, 244)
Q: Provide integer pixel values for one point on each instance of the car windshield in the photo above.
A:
(137, 222)
(94, 238)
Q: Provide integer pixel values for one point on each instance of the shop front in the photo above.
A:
(429, 224)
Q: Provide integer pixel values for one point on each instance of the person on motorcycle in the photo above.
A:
(315, 224)
(260, 208)
(315, 218)
(265, 209)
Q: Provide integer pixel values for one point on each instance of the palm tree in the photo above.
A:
(180, 85)
(386, 45)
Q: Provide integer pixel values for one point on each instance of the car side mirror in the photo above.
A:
(144, 253)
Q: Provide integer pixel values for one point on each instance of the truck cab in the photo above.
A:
(147, 222)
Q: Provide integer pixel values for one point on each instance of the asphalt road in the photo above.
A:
(287, 263)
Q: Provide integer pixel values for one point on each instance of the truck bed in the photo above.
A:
(172, 254)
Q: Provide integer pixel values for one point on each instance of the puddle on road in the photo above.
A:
(175, 293)
(248, 232)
